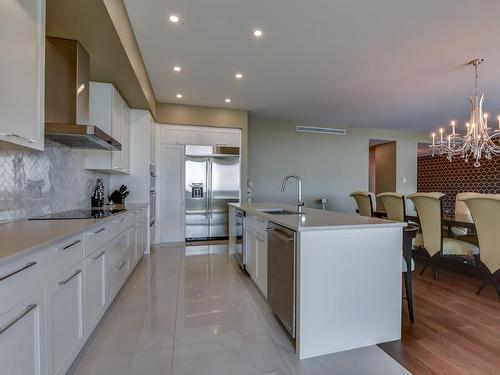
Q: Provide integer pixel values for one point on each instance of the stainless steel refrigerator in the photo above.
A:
(212, 181)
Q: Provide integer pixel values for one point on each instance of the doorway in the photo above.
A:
(382, 167)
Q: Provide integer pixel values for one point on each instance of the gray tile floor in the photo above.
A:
(190, 310)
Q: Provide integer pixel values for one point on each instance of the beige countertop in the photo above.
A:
(20, 238)
(314, 219)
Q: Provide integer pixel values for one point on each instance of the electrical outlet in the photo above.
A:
(404, 180)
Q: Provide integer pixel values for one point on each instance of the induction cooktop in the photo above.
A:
(79, 214)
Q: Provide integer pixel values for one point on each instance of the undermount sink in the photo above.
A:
(279, 211)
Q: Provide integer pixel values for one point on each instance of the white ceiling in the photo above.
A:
(359, 63)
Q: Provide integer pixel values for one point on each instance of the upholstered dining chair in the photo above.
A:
(429, 208)
(461, 208)
(485, 210)
(395, 209)
(365, 201)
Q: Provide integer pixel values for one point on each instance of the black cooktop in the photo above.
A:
(79, 214)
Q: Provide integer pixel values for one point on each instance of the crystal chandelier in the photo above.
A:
(479, 140)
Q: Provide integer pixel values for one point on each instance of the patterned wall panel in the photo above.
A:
(33, 183)
(439, 174)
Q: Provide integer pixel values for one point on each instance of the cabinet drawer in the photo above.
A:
(117, 226)
(115, 278)
(96, 238)
(115, 251)
(179, 136)
(257, 224)
(65, 254)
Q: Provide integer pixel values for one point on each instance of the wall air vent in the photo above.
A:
(315, 129)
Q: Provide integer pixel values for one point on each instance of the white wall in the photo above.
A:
(330, 166)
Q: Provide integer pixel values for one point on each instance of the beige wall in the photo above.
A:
(330, 166)
(180, 114)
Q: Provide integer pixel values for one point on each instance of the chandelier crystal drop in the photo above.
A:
(479, 140)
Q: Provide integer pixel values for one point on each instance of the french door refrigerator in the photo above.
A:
(212, 176)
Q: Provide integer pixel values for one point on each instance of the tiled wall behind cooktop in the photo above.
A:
(439, 174)
(33, 183)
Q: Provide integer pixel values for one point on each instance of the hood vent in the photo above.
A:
(67, 98)
(315, 129)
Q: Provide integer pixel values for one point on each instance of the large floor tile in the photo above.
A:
(158, 362)
(128, 331)
(249, 355)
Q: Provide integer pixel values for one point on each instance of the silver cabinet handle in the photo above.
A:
(77, 272)
(280, 235)
(18, 318)
(99, 255)
(18, 136)
(71, 245)
(100, 230)
(121, 265)
(26, 266)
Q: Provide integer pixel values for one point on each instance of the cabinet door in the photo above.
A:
(22, 337)
(251, 261)
(220, 137)
(116, 133)
(180, 135)
(95, 288)
(22, 39)
(125, 153)
(65, 319)
(171, 178)
(261, 250)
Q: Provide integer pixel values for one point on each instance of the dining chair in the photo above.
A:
(485, 210)
(461, 209)
(365, 201)
(429, 208)
(395, 209)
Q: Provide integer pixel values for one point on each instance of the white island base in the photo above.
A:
(348, 289)
(347, 276)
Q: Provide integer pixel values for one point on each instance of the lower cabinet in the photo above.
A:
(95, 288)
(65, 313)
(22, 337)
(256, 257)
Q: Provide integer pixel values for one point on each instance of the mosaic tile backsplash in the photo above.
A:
(34, 183)
(439, 174)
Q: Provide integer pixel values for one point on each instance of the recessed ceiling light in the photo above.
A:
(177, 68)
(257, 33)
(179, 96)
(238, 76)
(174, 18)
(228, 100)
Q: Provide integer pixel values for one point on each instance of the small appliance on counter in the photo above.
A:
(97, 199)
(118, 196)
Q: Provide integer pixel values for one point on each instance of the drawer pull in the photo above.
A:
(100, 230)
(17, 136)
(121, 265)
(99, 255)
(71, 245)
(76, 273)
(26, 266)
(18, 318)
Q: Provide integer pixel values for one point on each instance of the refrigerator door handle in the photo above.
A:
(207, 199)
(211, 196)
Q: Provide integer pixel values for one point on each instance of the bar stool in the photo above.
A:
(365, 202)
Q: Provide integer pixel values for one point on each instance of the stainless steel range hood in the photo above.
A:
(67, 98)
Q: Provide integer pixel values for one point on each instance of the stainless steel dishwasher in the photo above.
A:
(281, 274)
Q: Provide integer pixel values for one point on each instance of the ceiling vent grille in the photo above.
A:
(315, 129)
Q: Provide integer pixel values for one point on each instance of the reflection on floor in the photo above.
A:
(190, 310)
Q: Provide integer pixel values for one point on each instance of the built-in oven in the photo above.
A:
(240, 243)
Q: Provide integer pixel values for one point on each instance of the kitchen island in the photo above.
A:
(346, 289)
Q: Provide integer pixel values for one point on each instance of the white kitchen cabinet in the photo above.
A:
(65, 323)
(256, 262)
(261, 249)
(171, 192)
(22, 337)
(22, 68)
(220, 137)
(95, 288)
(180, 135)
(110, 113)
(251, 258)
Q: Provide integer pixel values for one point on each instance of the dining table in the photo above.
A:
(449, 219)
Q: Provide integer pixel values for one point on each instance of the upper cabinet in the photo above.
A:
(110, 113)
(22, 39)
(197, 135)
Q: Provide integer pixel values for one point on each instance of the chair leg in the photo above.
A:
(435, 266)
(425, 267)
(497, 284)
(482, 287)
(409, 294)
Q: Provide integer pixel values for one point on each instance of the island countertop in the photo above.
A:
(314, 219)
(22, 237)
